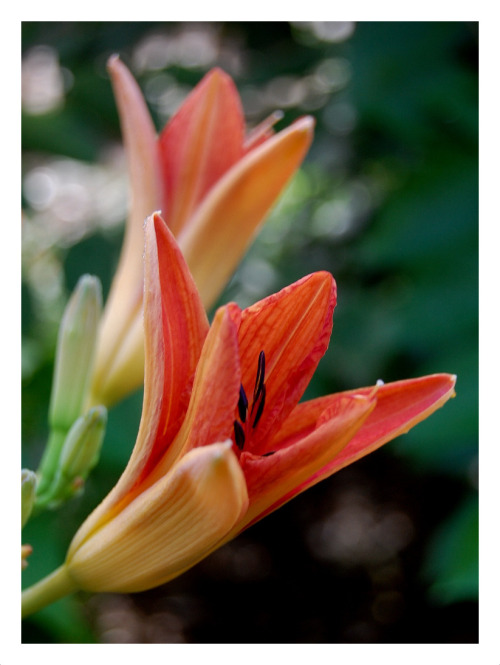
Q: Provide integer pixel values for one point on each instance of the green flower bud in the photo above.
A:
(28, 485)
(75, 353)
(82, 446)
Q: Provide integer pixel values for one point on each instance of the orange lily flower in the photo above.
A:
(214, 185)
(223, 440)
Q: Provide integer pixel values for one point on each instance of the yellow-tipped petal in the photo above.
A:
(172, 311)
(168, 528)
(217, 236)
(124, 303)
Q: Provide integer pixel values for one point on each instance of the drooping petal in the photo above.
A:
(175, 329)
(199, 144)
(125, 299)
(293, 328)
(399, 406)
(224, 224)
(168, 528)
(273, 479)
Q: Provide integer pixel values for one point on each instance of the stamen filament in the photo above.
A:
(259, 381)
(260, 405)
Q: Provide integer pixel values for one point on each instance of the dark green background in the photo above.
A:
(387, 201)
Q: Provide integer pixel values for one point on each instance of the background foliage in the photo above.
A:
(387, 200)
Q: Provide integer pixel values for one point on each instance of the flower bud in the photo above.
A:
(75, 353)
(28, 485)
(82, 446)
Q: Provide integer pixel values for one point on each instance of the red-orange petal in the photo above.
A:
(175, 326)
(272, 480)
(293, 328)
(400, 406)
(394, 409)
(198, 145)
(225, 222)
(184, 327)
(215, 392)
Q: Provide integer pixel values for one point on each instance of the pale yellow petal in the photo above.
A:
(124, 303)
(168, 528)
(125, 373)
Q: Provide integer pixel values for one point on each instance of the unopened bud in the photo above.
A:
(28, 486)
(82, 446)
(75, 353)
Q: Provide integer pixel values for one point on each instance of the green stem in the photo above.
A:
(53, 587)
(50, 459)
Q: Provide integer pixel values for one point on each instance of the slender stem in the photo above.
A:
(49, 461)
(53, 587)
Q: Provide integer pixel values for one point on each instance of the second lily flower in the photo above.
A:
(214, 186)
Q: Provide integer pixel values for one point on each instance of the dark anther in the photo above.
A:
(260, 405)
(239, 434)
(242, 405)
(259, 381)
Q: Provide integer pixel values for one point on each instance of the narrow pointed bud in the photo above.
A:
(28, 487)
(75, 353)
(82, 446)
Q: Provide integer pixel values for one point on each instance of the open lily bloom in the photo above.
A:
(223, 439)
(214, 185)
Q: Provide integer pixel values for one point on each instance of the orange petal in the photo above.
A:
(215, 392)
(199, 144)
(225, 222)
(175, 328)
(183, 330)
(400, 406)
(125, 299)
(168, 528)
(272, 480)
(293, 328)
